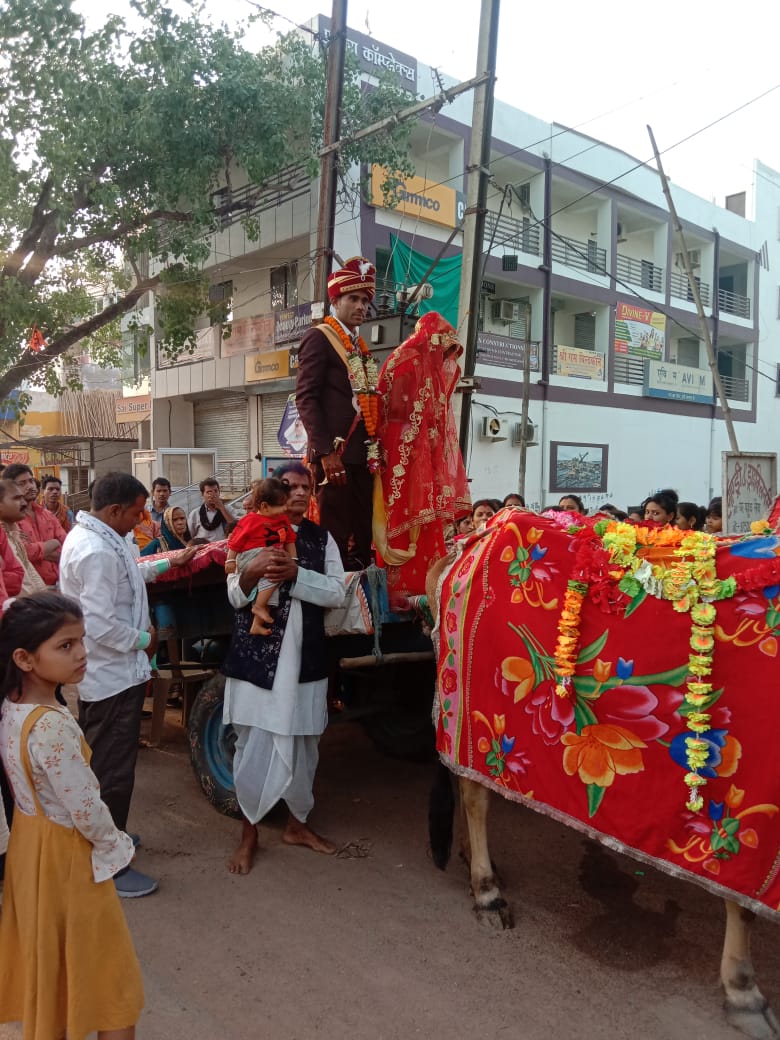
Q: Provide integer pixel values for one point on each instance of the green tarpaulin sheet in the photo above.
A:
(409, 267)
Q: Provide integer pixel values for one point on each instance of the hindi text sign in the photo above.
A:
(577, 363)
(749, 488)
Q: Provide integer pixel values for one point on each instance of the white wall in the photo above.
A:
(647, 451)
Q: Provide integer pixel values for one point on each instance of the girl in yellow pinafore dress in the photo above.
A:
(67, 963)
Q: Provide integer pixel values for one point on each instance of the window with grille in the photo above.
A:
(284, 287)
(585, 331)
(688, 352)
(221, 303)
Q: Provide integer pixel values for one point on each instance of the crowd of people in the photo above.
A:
(77, 613)
(663, 507)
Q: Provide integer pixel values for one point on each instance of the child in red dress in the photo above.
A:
(265, 524)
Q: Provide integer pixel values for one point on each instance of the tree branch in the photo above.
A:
(43, 253)
(32, 362)
(74, 244)
(39, 218)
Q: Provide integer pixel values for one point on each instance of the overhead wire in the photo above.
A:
(579, 198)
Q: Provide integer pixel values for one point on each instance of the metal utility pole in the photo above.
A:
(524, 406)
(326, 217)
(711, 358)
(476, 203)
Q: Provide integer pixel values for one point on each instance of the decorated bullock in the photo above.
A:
(623, 680)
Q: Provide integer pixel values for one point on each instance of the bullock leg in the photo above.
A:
(489, 905)
(746, 1007)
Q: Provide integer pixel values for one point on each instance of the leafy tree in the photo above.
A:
(112, 145)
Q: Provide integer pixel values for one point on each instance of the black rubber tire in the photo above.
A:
(211, 748)
(401, 735)
(403, 727)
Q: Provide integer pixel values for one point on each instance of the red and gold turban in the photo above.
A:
(357, 275)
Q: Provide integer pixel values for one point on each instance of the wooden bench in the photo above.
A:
(189, 676)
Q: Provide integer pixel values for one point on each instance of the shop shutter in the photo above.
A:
(585, 331)
(273, 406)
(222, 423)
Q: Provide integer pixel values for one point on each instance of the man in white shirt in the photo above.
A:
(276, 690)
(210, 519)
(98, 570)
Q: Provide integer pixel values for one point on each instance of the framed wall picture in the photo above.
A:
(578, 467)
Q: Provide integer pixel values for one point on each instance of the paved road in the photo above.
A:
(384, 947)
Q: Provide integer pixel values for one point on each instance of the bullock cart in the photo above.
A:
(382, 669)
(623, 680)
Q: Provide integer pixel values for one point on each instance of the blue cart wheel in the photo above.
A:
(211, 748)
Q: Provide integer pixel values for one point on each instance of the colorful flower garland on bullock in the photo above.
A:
(619, 565)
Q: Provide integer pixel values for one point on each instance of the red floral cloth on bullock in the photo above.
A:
(623, 680)
(423, 485)
(212, 552)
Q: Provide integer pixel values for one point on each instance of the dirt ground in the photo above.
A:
(378, 944)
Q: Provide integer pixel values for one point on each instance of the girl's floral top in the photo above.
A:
(67, 788)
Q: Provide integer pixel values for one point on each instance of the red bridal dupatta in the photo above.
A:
(422, 487)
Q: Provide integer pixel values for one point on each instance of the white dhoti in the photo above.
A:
(268, 768)
(278, 730)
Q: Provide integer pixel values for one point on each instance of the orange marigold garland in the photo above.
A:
(363, 375)
(567, 647)
(691, 584)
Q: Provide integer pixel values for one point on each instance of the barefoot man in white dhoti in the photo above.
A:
(276, 690)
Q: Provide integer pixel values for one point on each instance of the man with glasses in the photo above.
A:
(276, 688)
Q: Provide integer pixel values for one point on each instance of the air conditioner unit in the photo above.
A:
(493, 429)
(530, 433)
(694, 258)
(506, 311)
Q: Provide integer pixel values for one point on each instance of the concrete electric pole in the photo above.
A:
(478, 170)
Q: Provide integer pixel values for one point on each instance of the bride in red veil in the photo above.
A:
(422, 487)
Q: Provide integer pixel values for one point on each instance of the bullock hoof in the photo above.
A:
(496, 915)
(758, 1022)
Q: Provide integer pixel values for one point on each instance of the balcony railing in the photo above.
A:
(585, 256)
(733, 303)
(680, 288)
(640, 272)
(628, 369)
(509, 233)
(736, 389)
(631, 372)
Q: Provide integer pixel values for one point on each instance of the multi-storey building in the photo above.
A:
(582, 269)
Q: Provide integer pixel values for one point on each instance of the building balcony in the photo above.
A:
(640, 272)
(733, 303)
(680, 288)
(507, 233)
(630, 371)
(736, 389)
(584, 256)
